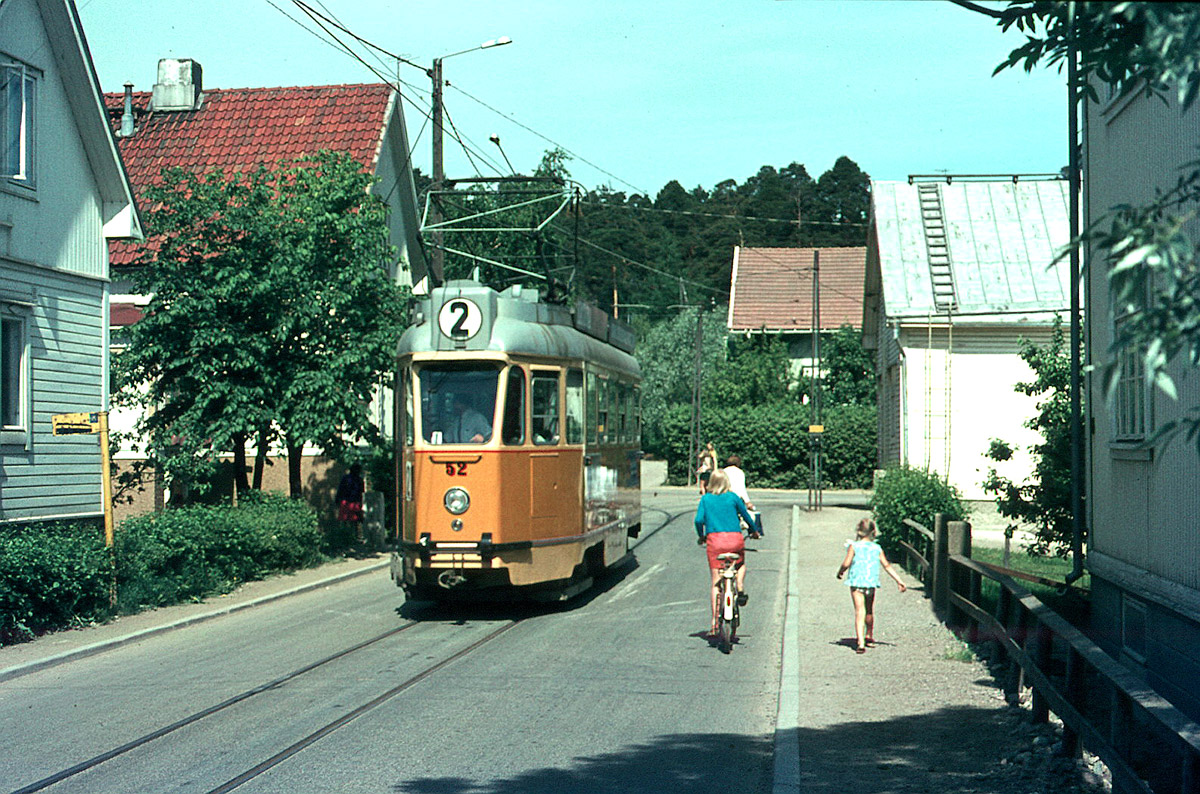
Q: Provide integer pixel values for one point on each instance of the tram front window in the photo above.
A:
(458, 403)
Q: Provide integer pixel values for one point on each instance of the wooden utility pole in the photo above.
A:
(815, 428)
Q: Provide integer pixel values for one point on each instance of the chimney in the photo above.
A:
(178, 86)
(127, 116)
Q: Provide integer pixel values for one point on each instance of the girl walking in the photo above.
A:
(863, 560)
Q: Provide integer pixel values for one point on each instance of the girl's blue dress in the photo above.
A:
(864, 568)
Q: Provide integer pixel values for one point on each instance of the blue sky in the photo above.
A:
(643, 92)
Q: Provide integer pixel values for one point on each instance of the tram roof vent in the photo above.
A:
(591, 320)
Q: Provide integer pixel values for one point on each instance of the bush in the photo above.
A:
(904, 492)
(191, 552)
(772, 441)
(51, 576)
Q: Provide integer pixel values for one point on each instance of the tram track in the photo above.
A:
(143, 741)
(270, 686)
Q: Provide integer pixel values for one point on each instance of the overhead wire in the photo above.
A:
(527, 128)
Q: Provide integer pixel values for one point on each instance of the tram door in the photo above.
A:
(403, 504)
(553, 471)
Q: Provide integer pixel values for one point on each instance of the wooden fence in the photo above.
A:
(1149, 746)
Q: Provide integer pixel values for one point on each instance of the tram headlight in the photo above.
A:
(457, 501)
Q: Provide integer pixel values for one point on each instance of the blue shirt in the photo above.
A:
(719, 512)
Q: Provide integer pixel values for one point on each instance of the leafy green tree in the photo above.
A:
(1044, 500)
(849, 369)
(271, 308)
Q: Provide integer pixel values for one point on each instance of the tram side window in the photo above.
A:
(544, 408)
(603, 428)
(575, 415)
(637, 415)
(623, 412)
(408, 408)
(593, 403)
(458, 403)
(514, 408)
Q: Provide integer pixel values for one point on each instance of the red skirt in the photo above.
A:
(724, 543)
(350, 511)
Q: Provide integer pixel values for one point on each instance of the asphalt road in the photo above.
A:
(617, 690)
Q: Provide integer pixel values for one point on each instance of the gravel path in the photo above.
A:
(916, 713)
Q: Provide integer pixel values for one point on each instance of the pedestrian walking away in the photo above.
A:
(719, 529)
(864, 558)
(737, 484)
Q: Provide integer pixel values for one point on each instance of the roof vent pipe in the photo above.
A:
(127, 116)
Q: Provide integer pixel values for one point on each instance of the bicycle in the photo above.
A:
(728, 616)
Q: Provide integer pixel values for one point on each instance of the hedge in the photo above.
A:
(773, 443)
(51, 576)
(55, 576)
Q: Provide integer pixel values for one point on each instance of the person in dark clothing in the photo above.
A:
(349, 499)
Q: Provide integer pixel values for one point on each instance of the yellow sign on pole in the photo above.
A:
(71, 424)
(90, 423)
(816, 428)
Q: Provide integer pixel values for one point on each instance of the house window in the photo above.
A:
(1133, 628)
(13, 419)
(18, 116)
(1131, 405)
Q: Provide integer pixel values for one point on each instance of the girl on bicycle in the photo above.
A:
(864, 557)
(718, 528)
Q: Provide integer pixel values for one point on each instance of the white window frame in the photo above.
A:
(25, 172)
(15, 434)
(1133, 402)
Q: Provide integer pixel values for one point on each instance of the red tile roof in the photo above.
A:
(772, 288)
(123, 314)
(239, 128)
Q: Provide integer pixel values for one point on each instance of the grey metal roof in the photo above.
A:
(971, 247)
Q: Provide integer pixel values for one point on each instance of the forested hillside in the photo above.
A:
(676, 248)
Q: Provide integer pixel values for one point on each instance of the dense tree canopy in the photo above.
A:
(271, 312)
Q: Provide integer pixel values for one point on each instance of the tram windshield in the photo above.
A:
(458, 403)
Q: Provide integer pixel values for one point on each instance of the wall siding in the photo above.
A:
(56, 475)
(1143, 506)
(984, 368)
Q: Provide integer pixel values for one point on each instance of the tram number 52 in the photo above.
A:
(460, 318)
(456, 469)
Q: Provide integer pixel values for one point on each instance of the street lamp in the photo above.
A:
(439, 174)
(496, 140)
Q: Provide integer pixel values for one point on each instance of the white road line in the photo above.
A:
(787, 715)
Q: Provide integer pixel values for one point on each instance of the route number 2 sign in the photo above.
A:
(460, 318)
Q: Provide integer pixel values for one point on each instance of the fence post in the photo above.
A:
(958, 541)
(941, 566)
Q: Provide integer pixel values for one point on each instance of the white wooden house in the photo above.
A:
(959, 271)
(1143, 502)
(63, 195)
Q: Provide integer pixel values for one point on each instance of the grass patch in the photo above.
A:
(1072, 604)
(959, 652)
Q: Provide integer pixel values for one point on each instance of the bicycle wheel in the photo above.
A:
(726, 610)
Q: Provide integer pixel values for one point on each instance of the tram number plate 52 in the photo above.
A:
(456, 469)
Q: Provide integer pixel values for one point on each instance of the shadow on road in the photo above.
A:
(951, 751)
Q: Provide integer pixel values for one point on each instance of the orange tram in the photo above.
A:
(518, 434)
